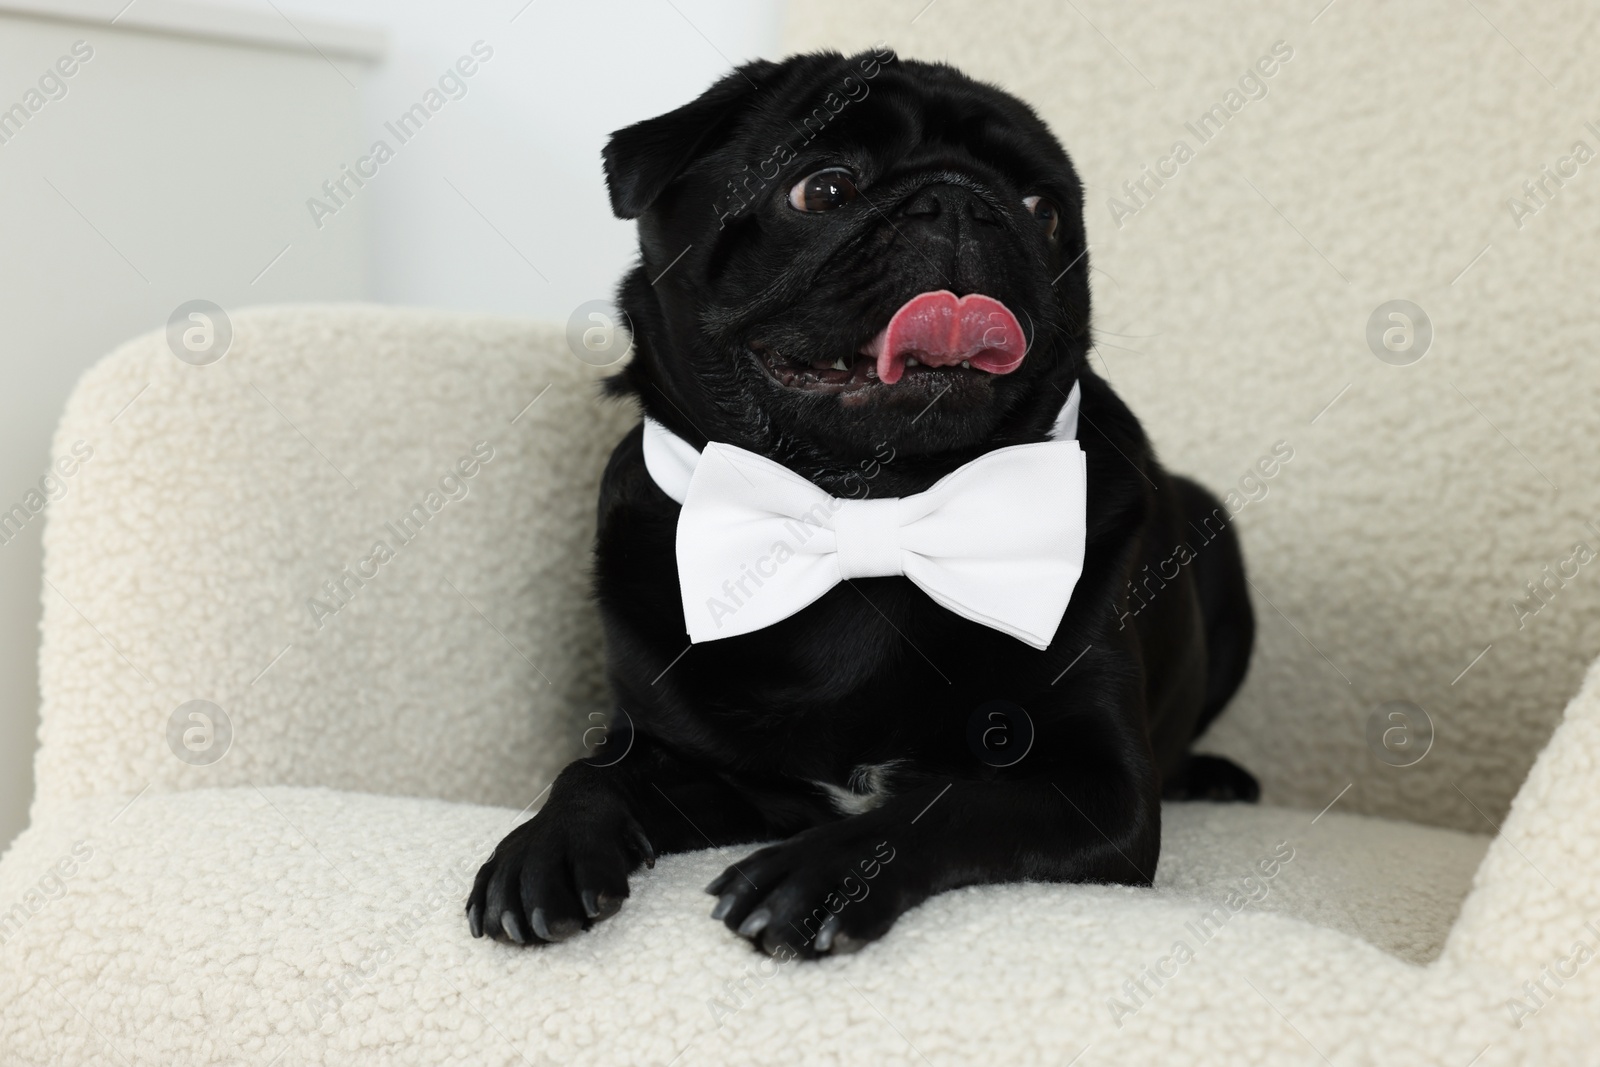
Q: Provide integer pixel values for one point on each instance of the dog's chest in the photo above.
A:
(868, 786)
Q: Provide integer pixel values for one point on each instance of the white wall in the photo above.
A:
(184, 162)
(523, 146)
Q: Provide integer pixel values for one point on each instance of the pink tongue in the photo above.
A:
(941, 331)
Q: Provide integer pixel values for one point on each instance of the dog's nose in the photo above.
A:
(949, 202)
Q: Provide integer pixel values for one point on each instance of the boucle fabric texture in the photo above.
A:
(237, 925)
(214, 546)
(298, 901)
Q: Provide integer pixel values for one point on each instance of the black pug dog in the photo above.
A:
(783, 218)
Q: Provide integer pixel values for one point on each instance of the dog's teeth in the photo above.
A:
(965, 365)
(911, 361)
(840, 364)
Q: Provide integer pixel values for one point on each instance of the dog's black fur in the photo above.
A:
(868, 695)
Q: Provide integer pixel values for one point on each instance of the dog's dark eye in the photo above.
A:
(824, 190)
(1044, 209)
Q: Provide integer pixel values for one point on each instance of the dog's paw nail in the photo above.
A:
(756, 923)
(844, 944)
(546, 930)
(600, 905)
(720, 883)
(724, 905)
(826, 935)
(513, 929)
(475, 919)
(645, 847)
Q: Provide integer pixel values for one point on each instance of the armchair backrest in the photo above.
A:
(352, 552)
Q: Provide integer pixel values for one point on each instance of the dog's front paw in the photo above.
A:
(829, 890)
(555, 875)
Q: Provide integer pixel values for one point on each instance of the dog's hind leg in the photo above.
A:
(1230, 634)
(1230, 623)
(1203, 777)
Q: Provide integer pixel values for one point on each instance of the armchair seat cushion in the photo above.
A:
(298, 925)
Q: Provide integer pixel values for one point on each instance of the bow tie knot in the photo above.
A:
(867, 536)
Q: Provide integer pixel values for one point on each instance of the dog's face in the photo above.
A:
(841, 253)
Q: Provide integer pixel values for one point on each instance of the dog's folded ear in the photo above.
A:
(642, 159)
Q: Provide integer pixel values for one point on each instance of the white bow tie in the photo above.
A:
(999, 540)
